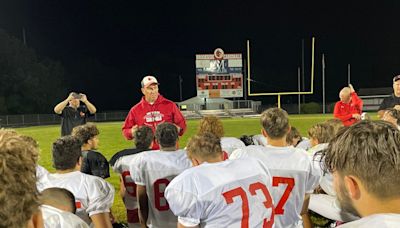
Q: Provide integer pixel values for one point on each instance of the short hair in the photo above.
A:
(143, 137)
(323, 132)
(345, 90)
(18, 194)
(369, 150)
(336, 123)
(166, 134)
(85, 132)
(293, 133)
(275, 122)
(204, 146)
(211, 124)
(66, 152)
(59, 198)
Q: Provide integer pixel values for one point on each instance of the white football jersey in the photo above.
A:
(260, 140)
(229, 144)
(54, 217)
(305, 144)
(326, 179)
(40, 173)
(93, 195)
(328, 206)
(155, 170)
(232, 193)
(389, 220)
(121, 166)
(292, 177)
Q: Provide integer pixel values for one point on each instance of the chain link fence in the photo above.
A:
(50, 119)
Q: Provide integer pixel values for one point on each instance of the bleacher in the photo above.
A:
(221, 113)
(191, 115)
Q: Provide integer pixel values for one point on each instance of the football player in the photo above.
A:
(120, 164)
(152, 171)
(293, 177)
(94, 196)
(218, 193)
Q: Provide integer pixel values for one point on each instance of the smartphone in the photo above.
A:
(76, 95)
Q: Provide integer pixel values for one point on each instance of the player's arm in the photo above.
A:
(92, 109)
(143, 202)
(304, 212)
(122, 189)
(101, 220)
(60, 106)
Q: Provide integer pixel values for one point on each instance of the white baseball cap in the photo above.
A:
(148, 80)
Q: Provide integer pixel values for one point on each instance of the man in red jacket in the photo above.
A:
(349, 108)
(152, 110)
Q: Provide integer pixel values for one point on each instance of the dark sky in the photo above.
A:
(106, 47)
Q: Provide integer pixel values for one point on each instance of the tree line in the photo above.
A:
(29, 83)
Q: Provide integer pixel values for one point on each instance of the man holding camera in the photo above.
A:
(73, 113)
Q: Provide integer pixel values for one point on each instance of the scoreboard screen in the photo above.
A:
(219, 75)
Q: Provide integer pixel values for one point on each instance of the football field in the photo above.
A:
(112, 141)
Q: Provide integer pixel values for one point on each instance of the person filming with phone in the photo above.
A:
(74, 111)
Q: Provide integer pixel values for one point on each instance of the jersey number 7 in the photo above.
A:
(229, 195)
(290, 184)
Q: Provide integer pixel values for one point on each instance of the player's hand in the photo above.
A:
(177, 127)
(356, 116)
(70, 96)
(397, 107)
(134, 129)
(351, 88)
(83, 97)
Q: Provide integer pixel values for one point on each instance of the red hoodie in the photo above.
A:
(144, 113)
(345, 111)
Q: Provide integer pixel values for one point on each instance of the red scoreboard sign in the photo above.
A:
(219, 75)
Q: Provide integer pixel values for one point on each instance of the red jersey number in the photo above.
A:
(130, 186)
(290, 184)
(229, 195)
(159, 194)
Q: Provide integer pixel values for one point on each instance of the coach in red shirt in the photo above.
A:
(152, 110)
(349, 108)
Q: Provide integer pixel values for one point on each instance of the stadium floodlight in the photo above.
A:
(249, 80)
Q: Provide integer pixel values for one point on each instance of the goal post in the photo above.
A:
(279, 94)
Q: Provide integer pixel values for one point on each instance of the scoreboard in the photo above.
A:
(219, 75)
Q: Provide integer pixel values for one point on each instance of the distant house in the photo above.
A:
(373, 97)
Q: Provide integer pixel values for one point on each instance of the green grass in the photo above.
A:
(111, 141)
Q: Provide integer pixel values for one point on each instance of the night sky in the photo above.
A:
(106, 47)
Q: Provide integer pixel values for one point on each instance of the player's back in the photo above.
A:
(232, 193)
(155, 170)
(120, 164)
(93, 195)
(292, 177)
(54, 217)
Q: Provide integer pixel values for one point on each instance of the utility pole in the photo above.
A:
(180, 87)
(348, 74)
(299, 88)
(323, 83)
(302, 69)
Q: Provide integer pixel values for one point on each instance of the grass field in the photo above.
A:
(111, 141)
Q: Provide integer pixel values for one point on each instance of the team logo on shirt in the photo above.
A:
(154, 116)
